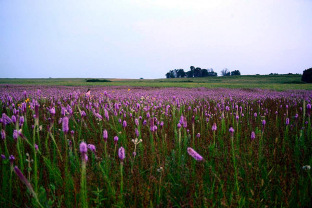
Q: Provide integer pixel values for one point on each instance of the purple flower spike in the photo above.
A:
(15, 134)
(24, 180)
(65, 125)
(83, 148)
(92, 147)
(121, 153)
(115, 139)
(253, 135)
(214, 127)
(3, 135)
(194, 154)
(36, 147)
(198, 135)
(124, 124)
(3, 156)
(231, 130)
(287, 121)
(11, 159)
(83, 151)
(105, 135)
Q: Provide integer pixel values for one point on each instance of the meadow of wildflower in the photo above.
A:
(154, 147)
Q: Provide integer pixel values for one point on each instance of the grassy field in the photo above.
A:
(274, 82)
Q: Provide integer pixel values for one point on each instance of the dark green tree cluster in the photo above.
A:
(307, 76)
(193, 72)
(226, 72)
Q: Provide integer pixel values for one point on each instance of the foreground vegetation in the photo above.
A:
(275, 82)
(147, 147)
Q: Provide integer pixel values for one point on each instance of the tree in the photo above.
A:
(197, 72)
(181, 73)
(307, 76)
(205, 73)
(225, 72)
(212, 73)
(235, 72)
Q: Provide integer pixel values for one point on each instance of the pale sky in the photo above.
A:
(147, 38)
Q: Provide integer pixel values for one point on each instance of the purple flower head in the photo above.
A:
(134, 154)
(15, 134)
(24, 180)
(161, 124)
(198, 135)
(83, 148)
(255, 114)
(115, 139)
(91, 147)
(83, 114)
(52, 111)
(263, 122)
(231, 130)
(3, 135)
(3, 156)
(237, 117)
(179, 125)
(214, 127)
(121, 153)
(36, 147)
(287, 121)
(13, 118)
(136, 121)
(6, 119)
(22, 120)
(65, 128)
(124, 124)
(253, 135)
(105, 135)
(194, 154)
(137, 133)
(11, 159)
(106, 114)
(72, 132)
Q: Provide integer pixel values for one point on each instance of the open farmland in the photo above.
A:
(155, 147)
(273, 82)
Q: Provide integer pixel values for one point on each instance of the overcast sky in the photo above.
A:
(147, 38)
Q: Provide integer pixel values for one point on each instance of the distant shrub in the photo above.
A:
(97, 80)
(307, 76)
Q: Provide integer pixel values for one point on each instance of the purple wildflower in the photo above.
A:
(115, 139)
(11, 159)
(91, 147)
(194, 154)
(13, 118)
(3, 156)
(83, 150)
(3, 135)
(15, 134)
(214, 127)
(65, 125)
(287, 121)
(124, 124)
(121, 153)
(253, 135)
(231, 130)
(105, 135)
(24, 180)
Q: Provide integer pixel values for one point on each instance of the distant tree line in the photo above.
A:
(193, 72)
(199, 72)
